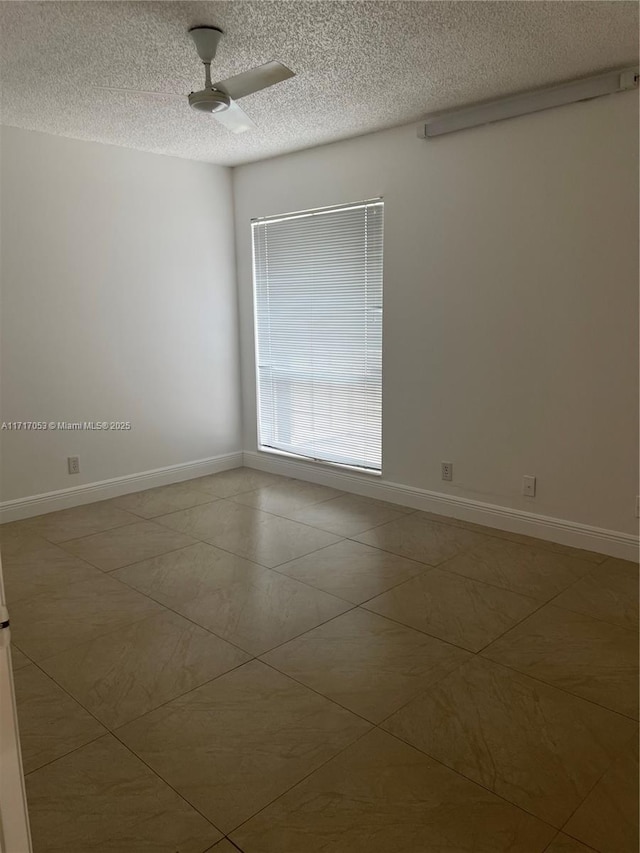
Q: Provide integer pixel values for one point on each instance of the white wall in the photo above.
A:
(119, 303)
(511, 301)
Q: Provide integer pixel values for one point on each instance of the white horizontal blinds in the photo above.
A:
(318, 297)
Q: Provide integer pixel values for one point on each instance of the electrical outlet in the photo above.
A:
(529, 486)
(446, 469)
(73, 464)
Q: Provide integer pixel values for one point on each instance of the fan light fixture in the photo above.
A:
(209, 101)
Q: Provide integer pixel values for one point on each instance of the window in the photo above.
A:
(318, 313)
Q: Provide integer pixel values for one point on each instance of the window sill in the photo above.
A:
(321, 463)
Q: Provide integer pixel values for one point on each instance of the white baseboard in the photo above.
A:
(100, 491)
(572, 533)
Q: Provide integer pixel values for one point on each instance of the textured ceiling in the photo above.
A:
(360, 66)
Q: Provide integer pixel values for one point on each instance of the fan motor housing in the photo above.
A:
(209, 101)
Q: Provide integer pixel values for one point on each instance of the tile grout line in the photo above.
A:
(495, 585)
(354, 607)
(73, 698)
(429, 566)
(441, 566)
(591, 789)
(349, 610)
(29, 520)
(196, 539)
(295, 521)
(261, 565)
(219, 636)
(411, 746)
(111, 572)
(126, 565)
(249, 559)
(209, 541)
(232, 843)
(419, 630)
(371, 724)
(515, 625)
(120, 628)
(212, 499)
(315, 551)
(560, 689)
(425, 690)
(469, 551)
(587, 615)
(112, 729)
(326, 501)
(229, 499)
(506, 536)
(468, 778)
(275, 568)
(446, 675)
(117, 630)
(66, 754)
(354, 542)
(326, 698)
(633, 631)
(450, 521)
(164, 781)
(380, 724)
(303, 779)
(112, 732)
(136, 520)
(107, 632)
(313, 690)
(252, 657)
(135, 754)
(183, 616)
(180, 695)
(404, 556)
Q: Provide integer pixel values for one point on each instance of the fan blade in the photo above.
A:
(252, 81)
(234, 119)
(139, 92)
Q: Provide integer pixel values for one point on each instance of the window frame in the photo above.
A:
(274, 451)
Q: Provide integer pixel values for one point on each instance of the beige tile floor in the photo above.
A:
(248, 662)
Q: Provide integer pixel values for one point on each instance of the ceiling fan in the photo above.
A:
(220, 98)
